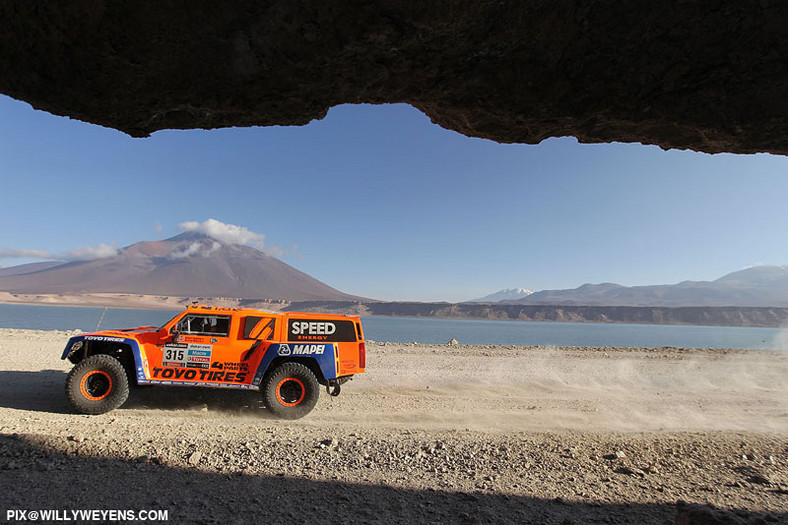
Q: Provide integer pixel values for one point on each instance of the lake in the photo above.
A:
(438, 331)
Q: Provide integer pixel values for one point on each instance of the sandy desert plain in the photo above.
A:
(430, 434)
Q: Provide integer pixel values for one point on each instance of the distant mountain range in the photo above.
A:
(509, 294)
(196, 265)
(759, 286)
(187, 265)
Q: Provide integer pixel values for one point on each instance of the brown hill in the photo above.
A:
(188, 265)
(29, 268)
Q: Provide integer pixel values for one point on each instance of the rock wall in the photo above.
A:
(707, 76)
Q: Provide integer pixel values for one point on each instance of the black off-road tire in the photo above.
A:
(290, 391)
(97, 384)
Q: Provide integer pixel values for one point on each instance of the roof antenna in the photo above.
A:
(102, 317)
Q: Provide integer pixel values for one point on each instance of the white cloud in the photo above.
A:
(190, 250)
(212, 249)
(195, 248)
(86, 253)
(229, 233)
(10, 253)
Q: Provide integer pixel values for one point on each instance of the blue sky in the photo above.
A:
(378, 201)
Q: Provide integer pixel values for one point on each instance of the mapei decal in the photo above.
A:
(320, 330)
(296, 349)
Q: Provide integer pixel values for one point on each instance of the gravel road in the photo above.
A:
(430, 434)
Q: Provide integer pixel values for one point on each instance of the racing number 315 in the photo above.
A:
(173, 354)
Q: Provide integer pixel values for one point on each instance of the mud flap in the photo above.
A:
(333, 388)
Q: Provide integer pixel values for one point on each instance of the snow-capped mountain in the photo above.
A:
(509, 294)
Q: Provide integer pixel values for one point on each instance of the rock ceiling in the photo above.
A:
(694, 75)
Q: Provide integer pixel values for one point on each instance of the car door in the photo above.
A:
(255, 335)
(199, 339)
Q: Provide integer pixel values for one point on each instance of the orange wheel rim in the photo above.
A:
(96, 385)
(288, 389)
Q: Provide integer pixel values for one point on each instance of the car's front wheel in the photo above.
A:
(290, 391)
(97, 384)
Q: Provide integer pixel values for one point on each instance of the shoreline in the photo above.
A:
(728, 316)
(495, 350)
(126, 301)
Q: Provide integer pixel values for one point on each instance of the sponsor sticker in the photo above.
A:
(104, 338)
(305, 349)
(243, 367)
(320, 330)
(313, 327)
(183, 338)
(190, 374)
(186, 355)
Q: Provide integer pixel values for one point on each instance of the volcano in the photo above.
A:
(187, 265)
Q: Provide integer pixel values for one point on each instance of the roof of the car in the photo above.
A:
(228, 310)
(208, 309)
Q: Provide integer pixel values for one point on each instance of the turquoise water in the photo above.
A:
(438, 331)
(528, 333)
(72, 317)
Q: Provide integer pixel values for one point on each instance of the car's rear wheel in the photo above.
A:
(290, 391)
(97, 384)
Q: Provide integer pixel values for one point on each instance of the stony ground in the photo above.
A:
(431, 434)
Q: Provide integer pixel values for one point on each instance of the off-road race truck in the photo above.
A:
(285, 355)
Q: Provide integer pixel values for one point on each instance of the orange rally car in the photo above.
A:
(285, 355)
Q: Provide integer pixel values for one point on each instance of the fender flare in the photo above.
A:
(326, 360)
(133, 344)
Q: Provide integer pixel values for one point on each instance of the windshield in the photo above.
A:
(171, 320)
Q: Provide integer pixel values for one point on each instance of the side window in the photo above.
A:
(205, 325)
(220, 326)
(258, 327)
